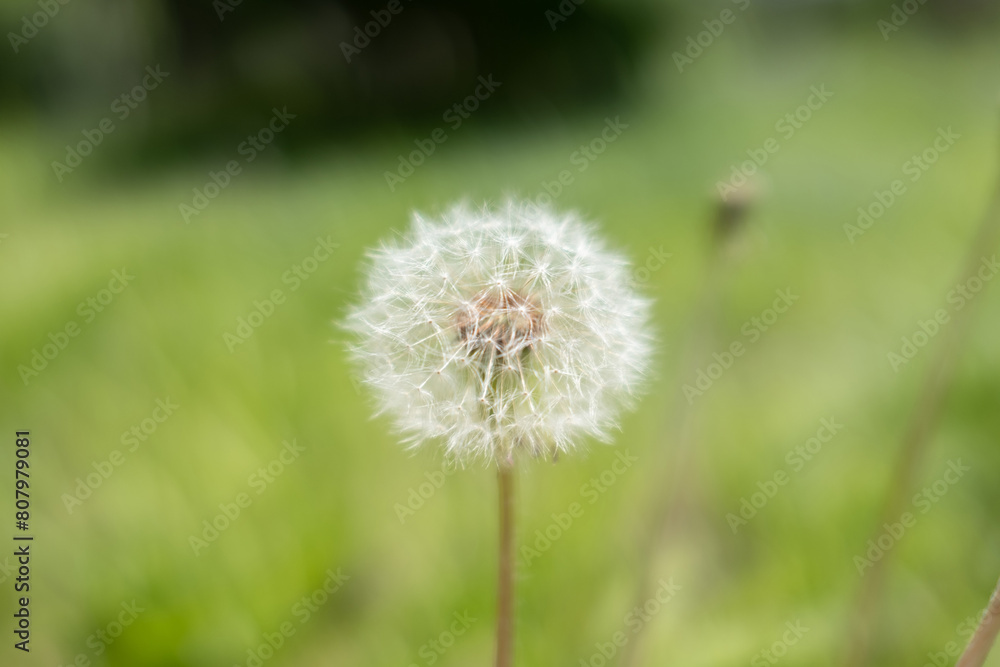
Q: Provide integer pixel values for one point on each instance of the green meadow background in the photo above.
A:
(335, 508)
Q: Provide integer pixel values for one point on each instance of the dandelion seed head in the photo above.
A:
(501, 332)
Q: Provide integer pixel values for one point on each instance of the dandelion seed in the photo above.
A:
(501, 332)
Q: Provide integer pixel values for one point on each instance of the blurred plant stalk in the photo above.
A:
(916, 441)
(986, 634)
(669, 502)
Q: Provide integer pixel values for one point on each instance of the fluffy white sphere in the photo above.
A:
(501, 332)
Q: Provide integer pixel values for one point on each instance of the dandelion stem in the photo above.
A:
(981, 642)
(505, 580)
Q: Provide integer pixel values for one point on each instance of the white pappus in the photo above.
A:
(502, 331)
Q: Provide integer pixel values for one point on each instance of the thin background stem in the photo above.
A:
(505, 579)
(981, 642)
(671, 497)
(916, 441)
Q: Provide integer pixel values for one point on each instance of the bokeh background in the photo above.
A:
(564, 69)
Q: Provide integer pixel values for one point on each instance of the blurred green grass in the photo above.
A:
(334, 508)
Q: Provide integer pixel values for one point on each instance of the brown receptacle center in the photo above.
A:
(499, 321)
